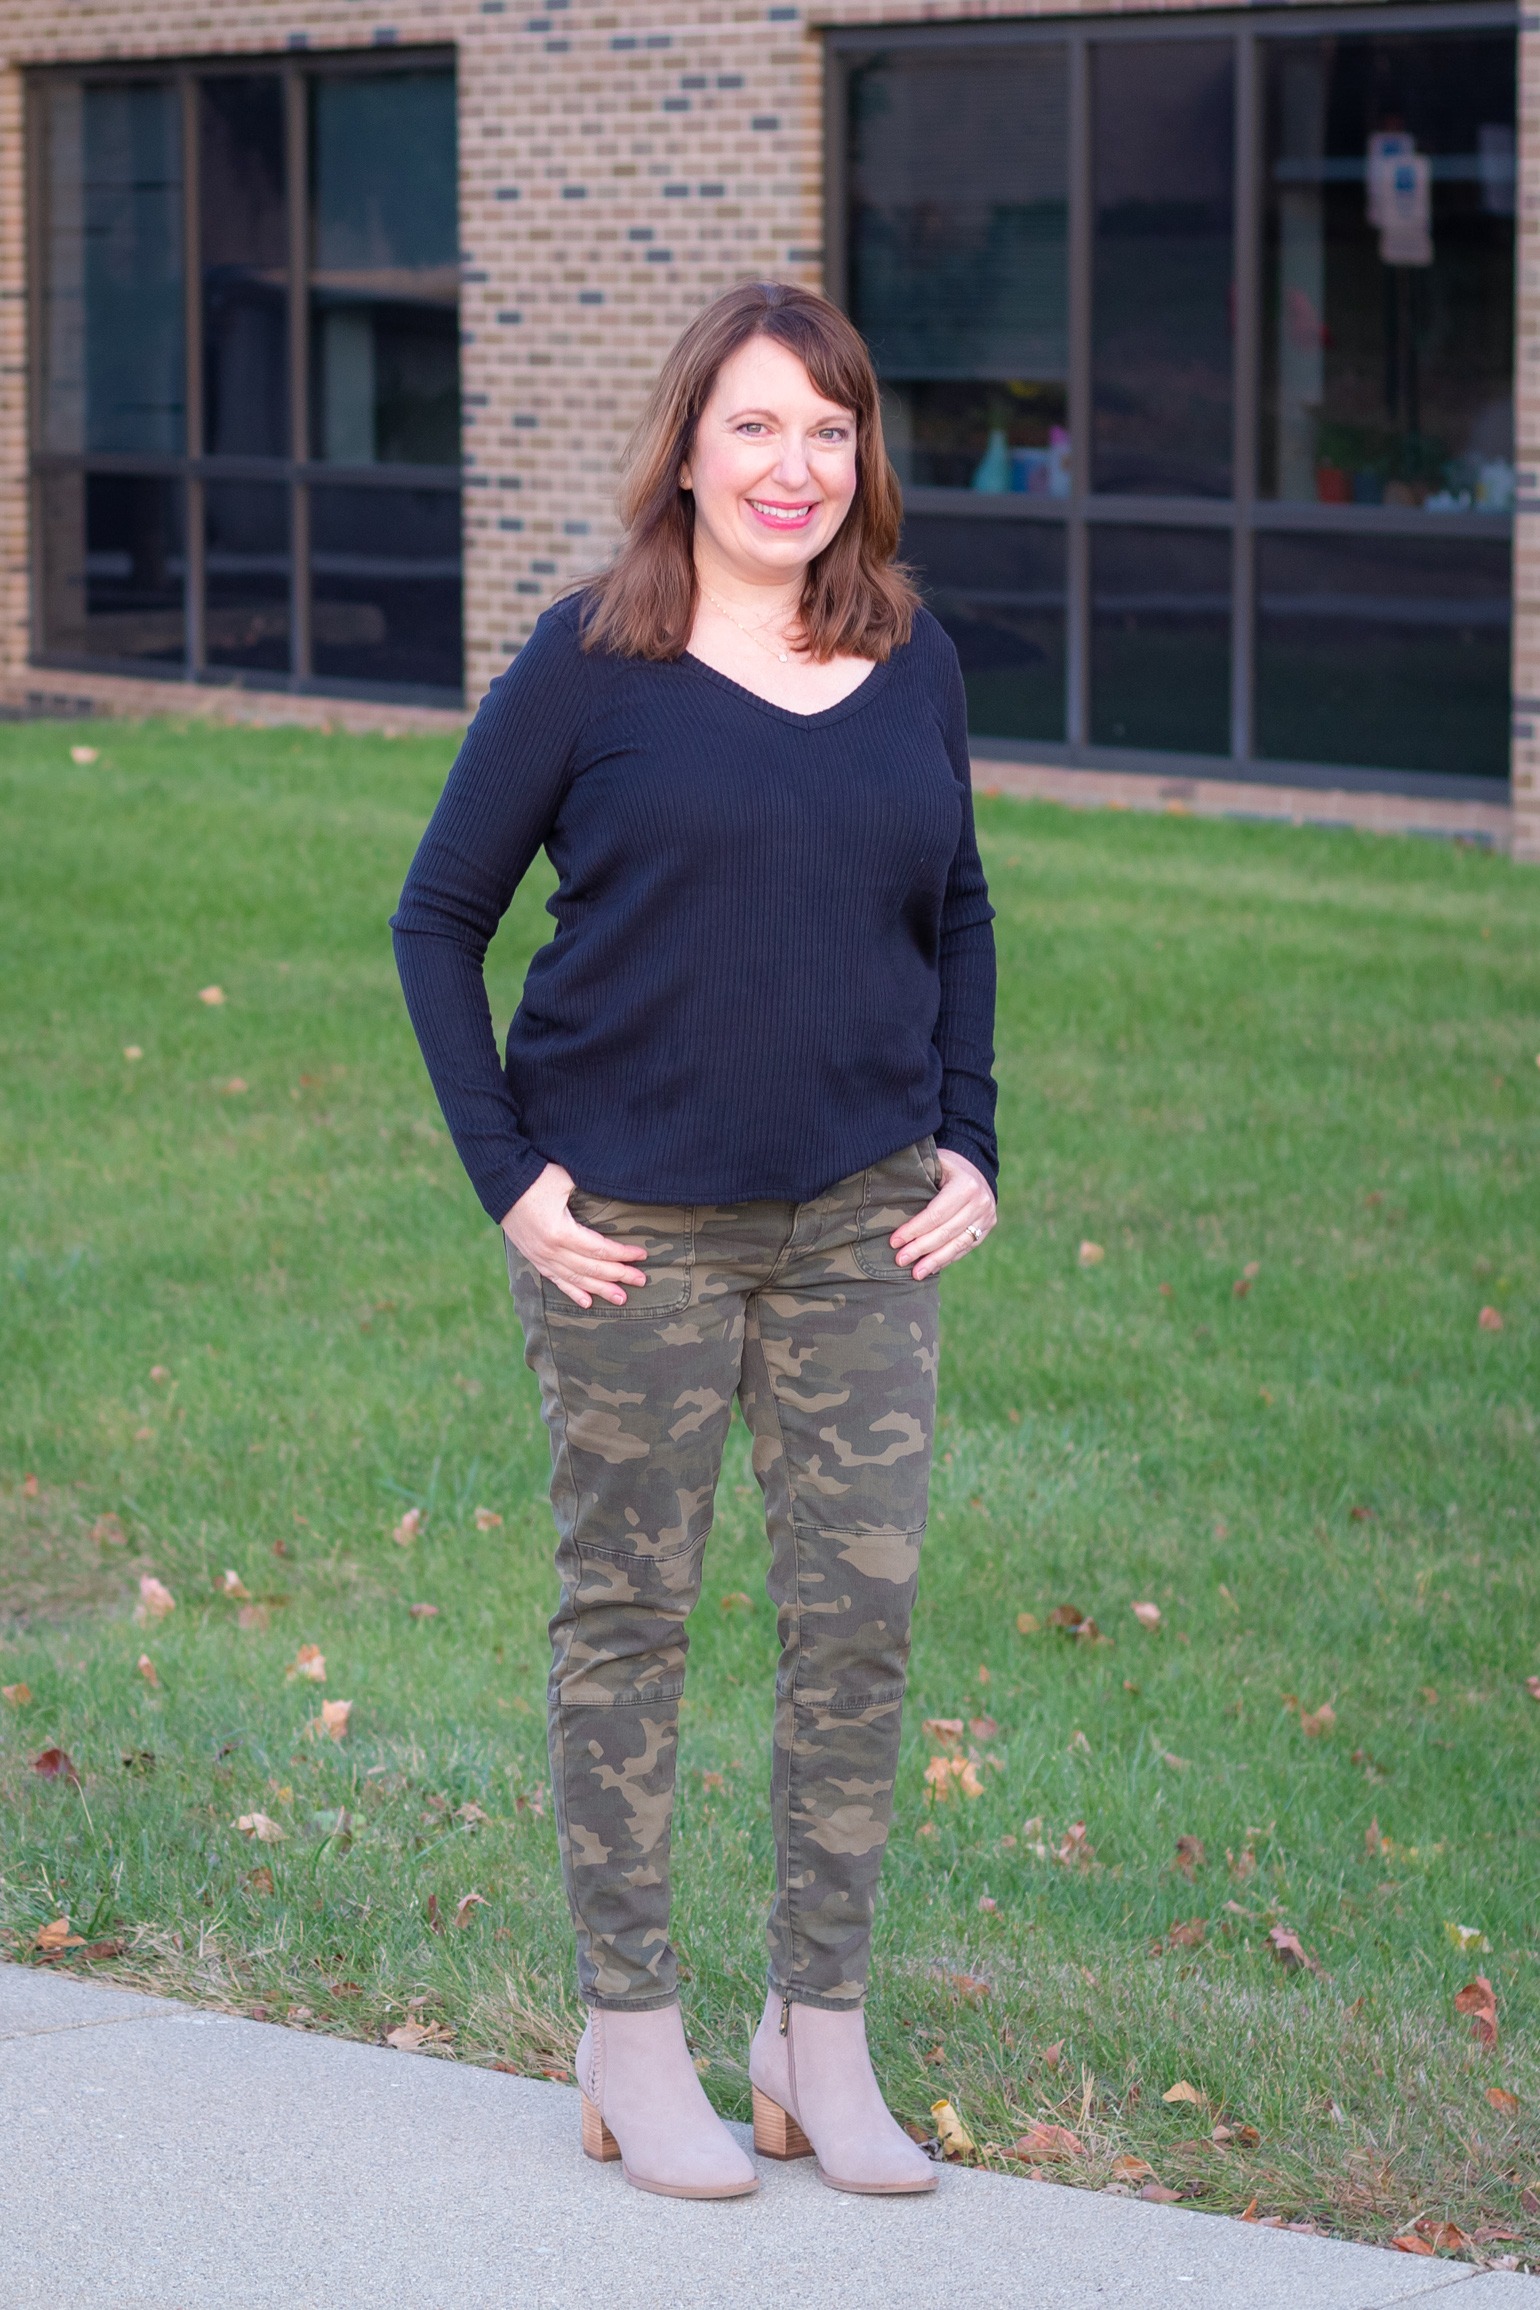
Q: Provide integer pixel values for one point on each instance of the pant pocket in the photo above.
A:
(898, 1188)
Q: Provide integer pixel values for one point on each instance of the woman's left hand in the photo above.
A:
(953, 1223)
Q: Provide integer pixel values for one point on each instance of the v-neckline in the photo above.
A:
(872, 680)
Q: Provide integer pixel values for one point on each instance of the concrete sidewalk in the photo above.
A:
(157, 2155)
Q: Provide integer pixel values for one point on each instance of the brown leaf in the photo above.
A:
(1502, 2099)
(1182, 2091)
(1043, 2144)
(255, 1617)
(259, 1881)
(1244, 2137)
(1490, 1320)
(423, 1611)
(1053, 2054)
(95, 1952)
(16, 1695)
(936, 2055)
(1410, 2243)
(56, 1765)
(1241, 1865)
(972, 1988)
(29, 1487)
(983, 1728)
(149, 1671)
(471, 1814)
(1479, 2000)
(108, 1531)
(1091, 1254)
(948, 1730)
(988, 1904)
(1445, 2237)
(1532, 1687)
(1314, 1722)
(463, 1907)
(1190, 1935)
(1075, 1852)
(263, 1827)
(1156, 2193)
(213, 996)
(411, 2036)
(1147, 1615)
(435, 1922)
(406, 1532)
(1190, 1856)
(1291, 1952)
(1374, 1840)
(1065, 1616)
(309, 1662)
(1131, 2169)
(487, 1519)
(57, 1936)
(1027, 1623)
(333, 1719)
(155, 1600)
(231, 1584)
(736, 1600)
(710, 1782)
(1250, 2213)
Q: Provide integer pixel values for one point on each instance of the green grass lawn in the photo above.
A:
(253, 1313)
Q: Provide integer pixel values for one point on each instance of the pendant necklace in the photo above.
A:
(751, 633)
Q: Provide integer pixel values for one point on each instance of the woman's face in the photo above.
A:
(773, 469)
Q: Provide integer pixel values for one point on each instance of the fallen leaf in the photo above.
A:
(423, 1611)
(1532, 1687)
(235, 1087)
(983, 1728)
(58, 1936)
(155, 1600)
(84, 755)
(435, 1922)
(1028, 1624)
(138, 1760)
(1490, 1319)
(1182, 2091)
(1241, 1865)
(983, 1676)
(254, 1616)
(1479, 2000)
(471, 1814)
(16, 1695)
(1466, 1937)
(1361, 1515)
(144, 1435)
(1244, 2137)
(132, 1051)
(333, 1719)
(988, 1904)
(1065, 1616)
(310, 1662)
(1375, 1841)
(259, 1881)
(1189, 1935)
(951, 2133)
(108, 1531)
(213, 996)
(1075, 1851)
(1053, 2054)
(263, 1827)
(466, 1903)
(1291, 1952)
(946, 1729)
(1044, 2144)
(1177, 1764)
(1157, 2194)
(1147, 1615)
(408, 1528)
(1250, 2213)
(408, 2036)
(1091, 1254)
(1446, 2237)
(1313, 1723)
(737, 1601)
(1190, 1856)
(972, 1988)
(936, 2055)
(711, 1782)
(56, 1765)
(1078, 1745)
(1131, 2169)
(1502, 2099)
(1241, 1286)
(231, 1584)
(487, 1519)
(93, 1952)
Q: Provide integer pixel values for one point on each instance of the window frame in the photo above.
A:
(299, 472)
(1244, 514)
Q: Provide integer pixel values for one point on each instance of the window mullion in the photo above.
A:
(1077, 606)
(296, 147)
(1245, 384)
(193, 556)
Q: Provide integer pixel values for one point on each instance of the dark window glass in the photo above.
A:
(245, 236)
(246, 556)
(958, 274)
(385, 357)
(113, 361)
(385, 569)
(998, 588)
(1388, 270)
(1160, 639)
(113, 568)
(1163, 156)
(1385, 651)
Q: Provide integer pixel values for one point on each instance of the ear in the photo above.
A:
(685, 483)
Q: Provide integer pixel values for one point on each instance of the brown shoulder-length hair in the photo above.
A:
(857, 601)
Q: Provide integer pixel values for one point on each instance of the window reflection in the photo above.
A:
(1163, 144)
(1388, 347)
(246, 559)
(385, 273)
(385, 575)
(1389, 650)
(958, 275)
(245, 247)
(113, 567)
(998, 588)
(1160, 639)
(113, 364)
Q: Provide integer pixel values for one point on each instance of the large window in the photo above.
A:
(1196, 345)
(245, 373)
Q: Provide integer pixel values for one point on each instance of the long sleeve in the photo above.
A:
(965, 1023)
(495, 812)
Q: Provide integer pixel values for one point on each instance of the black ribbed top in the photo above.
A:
(773, 962)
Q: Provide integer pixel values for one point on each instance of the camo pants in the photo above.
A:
(801, 1311)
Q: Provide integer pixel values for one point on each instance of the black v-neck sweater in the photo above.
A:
(773, 962)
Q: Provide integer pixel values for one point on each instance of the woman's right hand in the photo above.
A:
(580, 1262)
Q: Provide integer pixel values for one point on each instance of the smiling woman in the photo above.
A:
(747, 1116)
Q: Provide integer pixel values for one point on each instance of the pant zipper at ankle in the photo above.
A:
(785, 2015)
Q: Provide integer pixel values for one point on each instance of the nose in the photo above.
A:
(791, 469)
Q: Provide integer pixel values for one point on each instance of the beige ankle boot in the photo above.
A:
(643, 2104)
(815, 2096)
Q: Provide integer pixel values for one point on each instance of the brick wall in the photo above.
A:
(618, 163)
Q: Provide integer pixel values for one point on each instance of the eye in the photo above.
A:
(834, 433)
(753, 425)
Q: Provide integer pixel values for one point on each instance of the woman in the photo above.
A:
(746, 1118)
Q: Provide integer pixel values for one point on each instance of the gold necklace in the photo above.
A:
(750, 633)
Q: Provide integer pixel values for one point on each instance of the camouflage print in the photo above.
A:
(802, 1312)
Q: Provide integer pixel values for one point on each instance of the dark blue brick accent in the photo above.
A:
(660, 256)
(575, 528)
(507, 192)
(625, 40)
(590, 296)
(676, 104)
(526, 424)
(385, 36)
(511, 521)
(510, 318)
(639, 233)
(764, 120)
(676, 192)
(574, 192)
(299, 40)
(729, 80)
(544, 568)
(527, 586)
(692, 80)
(712, 192)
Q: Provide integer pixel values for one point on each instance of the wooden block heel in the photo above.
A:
(776, 2133)
(598, 2141)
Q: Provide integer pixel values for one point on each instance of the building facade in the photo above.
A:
(1208, 342)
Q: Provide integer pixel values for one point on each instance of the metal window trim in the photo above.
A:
(1244, 513)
